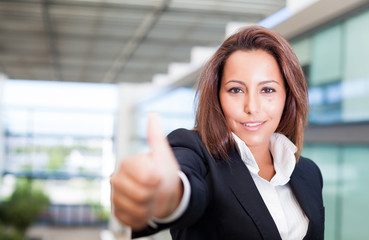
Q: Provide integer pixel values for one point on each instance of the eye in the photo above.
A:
(267, 90)
(235, 90)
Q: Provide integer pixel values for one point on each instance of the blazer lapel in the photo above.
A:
(298, 185)
(239, 179)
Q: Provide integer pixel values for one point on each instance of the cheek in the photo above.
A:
(230, 109)
(275, 107)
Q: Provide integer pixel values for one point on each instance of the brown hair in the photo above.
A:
(210, 121)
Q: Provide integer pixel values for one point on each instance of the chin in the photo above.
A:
(255, 140)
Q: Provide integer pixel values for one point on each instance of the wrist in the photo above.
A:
(183, 202)
(173, 200)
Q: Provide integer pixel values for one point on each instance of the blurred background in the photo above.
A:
(78, 78)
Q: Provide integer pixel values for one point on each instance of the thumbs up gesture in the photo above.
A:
(147, 185)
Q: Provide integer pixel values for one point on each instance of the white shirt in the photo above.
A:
(287, 214)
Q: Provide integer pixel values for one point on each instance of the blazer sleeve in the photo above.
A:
(193, 158)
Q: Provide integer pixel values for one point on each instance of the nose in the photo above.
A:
(252, 103)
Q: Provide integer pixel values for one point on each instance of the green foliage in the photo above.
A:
(102, 213)
(22, 207)
(57, 156)
(9, 233)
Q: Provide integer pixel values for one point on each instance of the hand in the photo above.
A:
(147, 185)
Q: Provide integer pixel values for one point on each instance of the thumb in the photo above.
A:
(170, 189)
(157, 140)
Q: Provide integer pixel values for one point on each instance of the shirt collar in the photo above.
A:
(283, 152)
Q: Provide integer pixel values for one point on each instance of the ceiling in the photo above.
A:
(113, 41)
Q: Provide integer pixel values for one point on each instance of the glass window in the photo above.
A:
(302, 49)
(176, 110)
(344, 169)
(355, 84)
(335, 63)
(327, 158)
(326, 56)
(354, 192)
(356, 47)
(62, 133)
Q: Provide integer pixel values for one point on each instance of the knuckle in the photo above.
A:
(114, 200)
(113, 181)
(117, 213)
(143, 195)
(136, 219)
(142, 214)
(143, 177)
(148, 177)
(138, 225)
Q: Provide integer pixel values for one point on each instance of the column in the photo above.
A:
(2, 80)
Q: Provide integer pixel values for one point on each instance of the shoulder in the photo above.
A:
(182, 133)
(184, 138)
(189, 151)
(306, 162)
(309, 168)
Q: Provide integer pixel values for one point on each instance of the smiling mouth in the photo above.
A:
(252, 124)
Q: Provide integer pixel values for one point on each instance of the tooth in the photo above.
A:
(252, 124)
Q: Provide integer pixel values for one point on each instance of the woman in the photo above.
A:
(241, 175)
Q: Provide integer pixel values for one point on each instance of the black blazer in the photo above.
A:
(225, 203)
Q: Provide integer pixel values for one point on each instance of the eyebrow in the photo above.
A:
(235, 81)
(269, 81)
(260, 83)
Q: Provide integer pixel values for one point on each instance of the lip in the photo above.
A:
(253, 126)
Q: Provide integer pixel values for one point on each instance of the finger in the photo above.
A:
(155, 133)
(138, 168)
(132, 208)
(157, 139)
(127, 187)
(129, 220)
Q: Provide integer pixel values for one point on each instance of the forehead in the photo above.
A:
(250, 56)
(257, 64)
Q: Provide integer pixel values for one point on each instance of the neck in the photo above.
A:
(261, 154)
(265, 161)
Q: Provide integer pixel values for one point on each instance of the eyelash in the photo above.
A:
(235, 90)
(266, 90)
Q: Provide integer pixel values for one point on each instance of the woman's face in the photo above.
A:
(252, 95)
